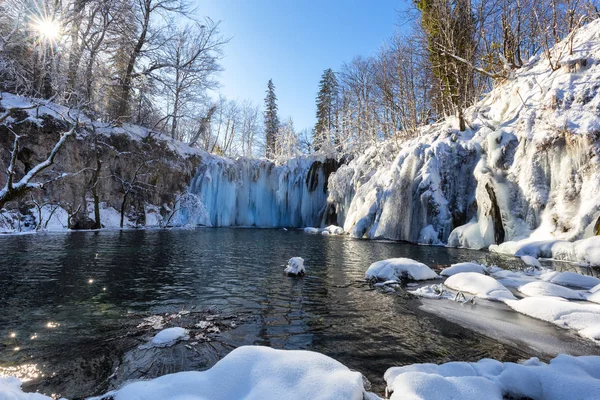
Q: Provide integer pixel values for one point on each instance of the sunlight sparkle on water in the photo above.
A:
(25, 372)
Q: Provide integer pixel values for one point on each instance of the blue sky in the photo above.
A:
(292, 42)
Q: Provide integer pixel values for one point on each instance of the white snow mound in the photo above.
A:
(464, 267)
(396, 268)
(170, 336)
(565, 377)
(571, 279)
(541, 288)
(255, 373)
(479, 285)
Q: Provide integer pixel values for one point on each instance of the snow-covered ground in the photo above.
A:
(564, 377)
(566, 299)
(254, 372)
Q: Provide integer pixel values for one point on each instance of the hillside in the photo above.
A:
(527, 167)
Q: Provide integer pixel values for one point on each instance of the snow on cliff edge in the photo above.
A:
(526, 167)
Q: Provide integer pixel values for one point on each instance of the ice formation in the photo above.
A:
(528, 166)
(261, 193)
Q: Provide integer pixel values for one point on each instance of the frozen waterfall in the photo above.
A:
(260, 193)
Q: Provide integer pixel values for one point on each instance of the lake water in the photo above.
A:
(71, 304)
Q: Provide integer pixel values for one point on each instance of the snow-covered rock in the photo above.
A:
(531, 261)
(572, 279)
(581, 317)
(295, 266)
(541, 288)
(464, 267)
(482, 286)
(255, 373)
(168, 337)
(565, 377)
(311, 230)
(334, 230)
(397, 268)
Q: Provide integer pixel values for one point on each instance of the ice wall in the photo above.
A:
(528, 166)
(260, 193)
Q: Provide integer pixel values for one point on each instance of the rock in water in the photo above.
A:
(295, 266)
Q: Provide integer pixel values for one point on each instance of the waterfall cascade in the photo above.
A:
(260, 193)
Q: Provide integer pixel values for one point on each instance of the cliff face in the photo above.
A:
(156, 181)
(163, 169)
(527, 166)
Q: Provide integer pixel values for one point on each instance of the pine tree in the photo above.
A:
(326, 109)
(271, 120)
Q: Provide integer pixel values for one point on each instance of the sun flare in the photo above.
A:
(47, 28)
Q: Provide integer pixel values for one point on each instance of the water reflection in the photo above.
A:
(81, 295)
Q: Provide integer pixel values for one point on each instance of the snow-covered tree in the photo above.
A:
(271, 120)
(327, 103)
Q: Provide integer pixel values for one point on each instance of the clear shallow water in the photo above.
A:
(73, 301)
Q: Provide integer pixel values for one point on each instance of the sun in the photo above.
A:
(48, 29)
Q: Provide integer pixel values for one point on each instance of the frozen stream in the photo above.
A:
(71, 304)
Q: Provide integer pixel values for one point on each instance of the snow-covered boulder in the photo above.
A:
(541, 288)
(572, 279)
(531, 261)
(482, 286)
(295, 266)
(464, 267)
(565, 377)
(170, 336)
(397, 268)
(255, 373)
(334, 230)
(581, 317)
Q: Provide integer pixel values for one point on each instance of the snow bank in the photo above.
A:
(170, 336)
(534, 289)
(569, 278)
(253, 373)
(565, 377)
(583, 318)
(584, 252)
(295, 266)
(480, 285)
(10, 389)
(398, 268)
(464, 267)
